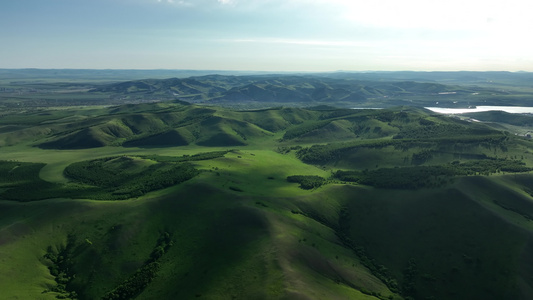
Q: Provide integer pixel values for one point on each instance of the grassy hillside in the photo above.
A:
(446, 244)
(175, 201)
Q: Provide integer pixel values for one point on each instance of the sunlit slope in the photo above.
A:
(226, 243)
(152, 125)
(176, 124)
(461, 241)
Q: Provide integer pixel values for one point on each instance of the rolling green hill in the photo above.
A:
(177, 201)
(503, 117)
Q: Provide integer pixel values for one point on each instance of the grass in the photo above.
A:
(240, 229)
(463, 240)
(24, 243)
(320, 266)
(258, 172)
(124, 177)
(171, 210)
(135, 229)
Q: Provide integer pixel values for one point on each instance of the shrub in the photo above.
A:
(307, 182)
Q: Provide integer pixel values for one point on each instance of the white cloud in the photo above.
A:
(177, 2)
(226, 2)
(202, 3)
(432, 14)
(304, 42)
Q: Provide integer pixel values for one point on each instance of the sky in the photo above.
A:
(268, 35)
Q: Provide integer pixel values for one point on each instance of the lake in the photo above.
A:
(508, 109)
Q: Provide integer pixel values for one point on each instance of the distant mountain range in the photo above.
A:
(255, 90)
(303, 90)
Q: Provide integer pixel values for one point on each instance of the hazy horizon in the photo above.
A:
(267, 35)
(265, 71)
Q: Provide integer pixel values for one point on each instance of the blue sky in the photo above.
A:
(267, 35)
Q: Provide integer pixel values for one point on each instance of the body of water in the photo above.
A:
(508, 109)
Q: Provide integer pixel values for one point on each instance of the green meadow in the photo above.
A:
(175, 201)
